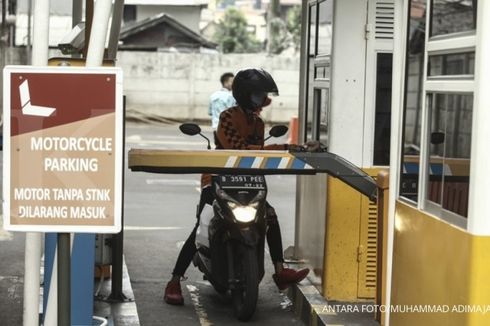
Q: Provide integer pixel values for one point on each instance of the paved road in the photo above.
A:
(167, 204)
(159, 214)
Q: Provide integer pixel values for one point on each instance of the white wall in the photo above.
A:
(348, 80)
(176, 85)
(59, 27)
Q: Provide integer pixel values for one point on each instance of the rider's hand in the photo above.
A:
(295, 148)
(313, 146)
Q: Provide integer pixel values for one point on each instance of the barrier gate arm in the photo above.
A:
(252, 162)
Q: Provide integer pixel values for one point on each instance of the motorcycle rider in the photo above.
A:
(241, 127)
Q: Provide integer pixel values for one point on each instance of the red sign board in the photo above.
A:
(62, 149)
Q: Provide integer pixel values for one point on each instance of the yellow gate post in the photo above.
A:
(383, 181)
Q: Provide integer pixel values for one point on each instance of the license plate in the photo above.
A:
(242, 181)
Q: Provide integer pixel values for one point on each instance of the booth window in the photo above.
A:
(318, 70)
(325, 12)
(323, 116)
(320, 115)
(312, 31)
(382, 128)
(448, 17)
(312, 46)
(449, 151)
(452, 64)
(414, 75)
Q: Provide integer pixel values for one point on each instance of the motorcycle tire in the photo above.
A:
(245, 296)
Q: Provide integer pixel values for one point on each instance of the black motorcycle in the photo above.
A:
(231, 234)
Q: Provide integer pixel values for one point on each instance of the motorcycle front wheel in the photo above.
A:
(246, 292)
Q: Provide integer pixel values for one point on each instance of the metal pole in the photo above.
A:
(118, 243)
(303, 74)
(95, 56)
(4, 15)
(29, 39)
(117, 14)
(52, 313)
(40, 33)
(3, 45)
(100, 23)
(64, 276)
(33, 240)
(76, 12)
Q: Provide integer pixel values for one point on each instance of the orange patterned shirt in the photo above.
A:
(240, 130)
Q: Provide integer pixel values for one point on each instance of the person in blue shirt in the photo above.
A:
(222, 99)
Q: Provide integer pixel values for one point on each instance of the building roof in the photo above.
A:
(142, 25)
(167, 2)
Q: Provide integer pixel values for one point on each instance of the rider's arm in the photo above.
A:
(276, 147)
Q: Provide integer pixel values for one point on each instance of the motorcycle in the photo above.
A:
(231, 234)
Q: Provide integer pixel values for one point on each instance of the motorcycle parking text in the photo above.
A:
(71, 144)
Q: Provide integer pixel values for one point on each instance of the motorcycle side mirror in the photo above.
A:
(277, 131)
(190, 129)
(193, 129)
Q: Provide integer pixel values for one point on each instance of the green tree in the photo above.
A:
(278, 36)
(232, 34)
(293, 26)
(284, 34)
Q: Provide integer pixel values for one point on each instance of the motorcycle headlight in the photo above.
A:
(244, 214)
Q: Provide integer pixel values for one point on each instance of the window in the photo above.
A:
(439, 97)
(311, 72)
(413, 101)
(449, 151)
(325, 27)
(312, 50)
(449, 17)
(318, 79)
(323, 116)
(382, 128)
(319, 116)
(452, 64)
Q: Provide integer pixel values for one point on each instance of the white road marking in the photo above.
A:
(201, 313)
(164, 142)
(151, 228)
(173, 182)
(133, 138)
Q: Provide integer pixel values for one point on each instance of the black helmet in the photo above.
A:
(250, 88)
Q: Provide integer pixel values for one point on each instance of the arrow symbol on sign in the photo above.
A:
(27, 107)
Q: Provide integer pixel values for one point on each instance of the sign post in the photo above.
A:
(63, 145)
(63, 149)
(64, 280)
